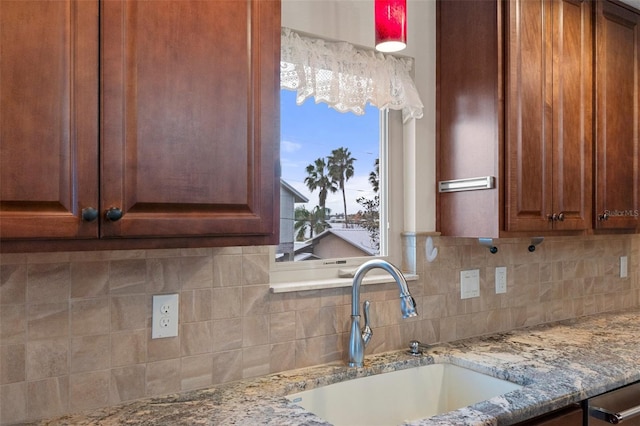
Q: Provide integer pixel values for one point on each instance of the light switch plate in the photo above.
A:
(501, 279)
(623, 267)
(165, 316)
(469, 283)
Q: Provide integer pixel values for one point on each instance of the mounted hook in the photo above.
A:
(534, 242)
(488, 242)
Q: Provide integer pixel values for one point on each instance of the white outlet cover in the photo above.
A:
(469, 283)
(164, 319)
(623, 267)
(501, 279)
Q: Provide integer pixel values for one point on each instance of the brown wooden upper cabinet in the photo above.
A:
(125, 123)
(617, 126)
(548, 115)
(514, 103)
(49, 120)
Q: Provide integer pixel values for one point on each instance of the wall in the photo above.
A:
(75, 327)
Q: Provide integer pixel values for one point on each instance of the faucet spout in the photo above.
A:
(357, 340)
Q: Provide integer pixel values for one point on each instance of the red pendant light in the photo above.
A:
(391, 25)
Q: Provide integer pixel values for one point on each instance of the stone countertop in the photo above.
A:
(558, 364)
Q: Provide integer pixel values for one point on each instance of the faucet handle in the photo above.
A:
(367, 332)
(415, 348)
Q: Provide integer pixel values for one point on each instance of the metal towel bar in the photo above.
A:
(468, 184)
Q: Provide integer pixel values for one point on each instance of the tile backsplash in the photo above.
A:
(75, 328)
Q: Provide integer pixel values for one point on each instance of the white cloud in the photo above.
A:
(288, 146)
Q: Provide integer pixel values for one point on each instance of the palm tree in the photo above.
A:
(341, 170)
(371, 215)
(302, 223)
(374, 176)
(319, 178)
(313, 220)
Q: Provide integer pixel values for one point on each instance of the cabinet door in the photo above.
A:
(48, 119)
(529, 100)
(190, 114)
(617, 115)
(568, 416)
(572, 114)
(469, 114)
(548, 125)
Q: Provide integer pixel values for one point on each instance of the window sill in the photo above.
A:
(288, 287)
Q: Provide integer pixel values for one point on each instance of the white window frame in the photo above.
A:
(326, 273)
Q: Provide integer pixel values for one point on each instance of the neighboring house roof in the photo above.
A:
(357, 237)
(297, 196)
(301, 245)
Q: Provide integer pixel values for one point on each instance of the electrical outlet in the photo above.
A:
(164, 320)
(469, 283)
(501, 279)
(623, 267)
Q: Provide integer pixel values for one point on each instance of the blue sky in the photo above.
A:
(311, 130)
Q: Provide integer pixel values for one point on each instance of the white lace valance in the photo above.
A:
(346, 77)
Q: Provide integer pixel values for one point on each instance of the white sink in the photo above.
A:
(399, 396)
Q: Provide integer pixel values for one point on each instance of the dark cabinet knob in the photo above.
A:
(89, 214)
(556, 217)
(113, 214)
(603, 217)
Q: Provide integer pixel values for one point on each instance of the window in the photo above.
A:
(349, 80)
(330, 187)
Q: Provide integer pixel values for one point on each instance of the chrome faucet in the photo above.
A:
(359, 339)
